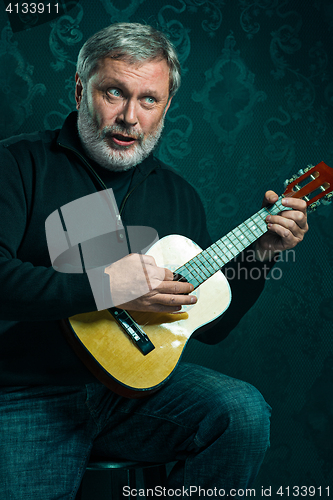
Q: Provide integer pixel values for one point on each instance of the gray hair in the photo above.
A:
(132, 42)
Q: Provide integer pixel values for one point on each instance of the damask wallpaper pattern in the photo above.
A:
(255, 106)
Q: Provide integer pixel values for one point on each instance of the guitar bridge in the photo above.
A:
(133, 330)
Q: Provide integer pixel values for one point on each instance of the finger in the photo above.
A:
(285, 227)
(284, 238)
(269, 198)
(158, 308)
(295, 203)
(161, 273)
(294, 220)
(168, 275)
(154, 272)
(175, 288)
(158, 302)
(147, 259)
(299, 217)
(289, 236)
(175, 300)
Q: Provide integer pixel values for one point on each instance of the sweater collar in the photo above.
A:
(69, 138)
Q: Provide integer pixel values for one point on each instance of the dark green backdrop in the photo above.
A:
(255, 106)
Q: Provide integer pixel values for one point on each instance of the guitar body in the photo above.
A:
(112, 356)
(116, 358)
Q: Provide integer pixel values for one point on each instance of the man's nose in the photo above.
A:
(128, 114)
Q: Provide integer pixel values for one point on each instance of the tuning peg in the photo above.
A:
(309, 167)
(313, 207)
(289, 181)
(300, 172)
(327, 200)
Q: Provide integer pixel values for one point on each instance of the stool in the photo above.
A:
(132, 475)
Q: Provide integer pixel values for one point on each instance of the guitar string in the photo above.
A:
(192, 261)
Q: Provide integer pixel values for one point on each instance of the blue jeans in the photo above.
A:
(216, 427)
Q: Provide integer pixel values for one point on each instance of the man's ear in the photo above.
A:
(167, 107)
(78, 90)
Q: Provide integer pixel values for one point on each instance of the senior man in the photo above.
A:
(53, 412)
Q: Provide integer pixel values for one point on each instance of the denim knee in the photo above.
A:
(239, 413)
(250, 417)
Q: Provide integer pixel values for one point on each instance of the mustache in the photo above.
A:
(118, 129)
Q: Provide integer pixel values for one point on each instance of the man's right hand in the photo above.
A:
(138, 284)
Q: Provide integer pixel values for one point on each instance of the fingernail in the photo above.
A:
(268, 217)
(285, 201)
(193, 300)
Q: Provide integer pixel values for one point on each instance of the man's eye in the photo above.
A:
(149, 100)
(114, 92)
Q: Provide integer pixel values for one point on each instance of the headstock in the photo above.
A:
(312, 184)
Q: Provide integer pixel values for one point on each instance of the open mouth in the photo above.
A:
(123, 140)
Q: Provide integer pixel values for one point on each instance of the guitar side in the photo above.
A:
(113, 358)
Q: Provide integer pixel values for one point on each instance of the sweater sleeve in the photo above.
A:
(30, 292)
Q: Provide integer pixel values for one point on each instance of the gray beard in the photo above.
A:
(117, 160)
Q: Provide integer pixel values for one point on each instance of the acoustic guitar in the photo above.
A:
(135, 353)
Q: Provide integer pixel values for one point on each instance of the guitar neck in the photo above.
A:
(209, 261)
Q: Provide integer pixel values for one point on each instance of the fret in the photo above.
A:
(260, 221)
(196, 271)
(190, 278)
(197, 262)
(209, 261)
(217, 251)
(261, 218)
(213, 265)
(256, 228)
(193, 269)
(236, 241)
(229, 244)
(245, 241)
(264, 212)
(183, 271)
(274, 209)
(213, 259)
(209, 268)
(227, 254)
(277, 207)
(193, 281)
(246, 231)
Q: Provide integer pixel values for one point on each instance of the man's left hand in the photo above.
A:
(285, 230)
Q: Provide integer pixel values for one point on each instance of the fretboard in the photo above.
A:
(209, 261)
